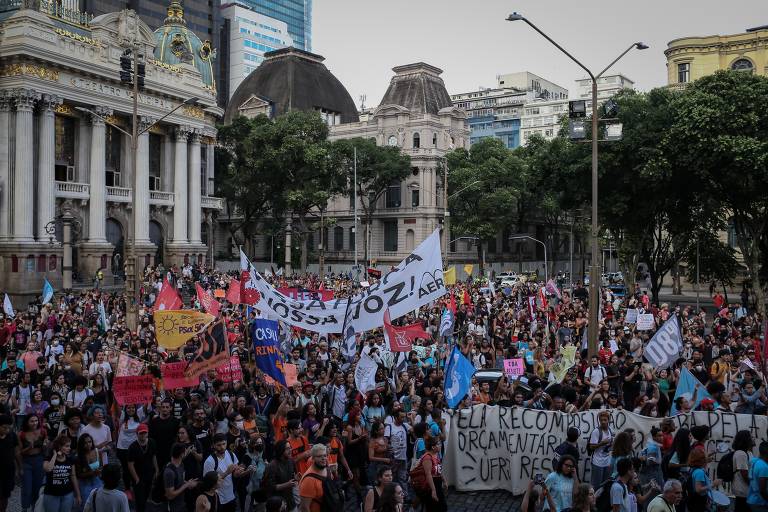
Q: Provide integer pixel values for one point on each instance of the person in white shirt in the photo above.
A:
(600, 442)
(100, 432)
(226, 464)
(100, 365)
(595, 374)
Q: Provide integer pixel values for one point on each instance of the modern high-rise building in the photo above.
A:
(250, 36)
(297, 14)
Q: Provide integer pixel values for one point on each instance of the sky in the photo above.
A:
(470, 40)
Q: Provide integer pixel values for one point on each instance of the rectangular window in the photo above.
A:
(414, 198)
(204, 169)
(684, 72)
(65, 148)
(392, 196)
(338, 238)
(390, 235)
(352, 238)
(155, 159)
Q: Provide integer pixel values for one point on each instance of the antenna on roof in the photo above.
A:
(363, 97)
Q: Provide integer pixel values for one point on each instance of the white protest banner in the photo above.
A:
(666, 345)
(416, 281)
(365, 373)
(631, 316)
(493, 447)
(645, 322)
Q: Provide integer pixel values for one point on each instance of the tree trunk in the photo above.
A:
(480, 256)
(676, 285)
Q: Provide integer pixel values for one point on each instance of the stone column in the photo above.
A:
(5, 166)
(46, 165)
(23, 179)
(141, 188)
(210, 184)
(97, 204)
(180, 185)
(194, 204)
(83, 160)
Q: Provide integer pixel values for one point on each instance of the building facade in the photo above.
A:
(607, 87)
(297, 14)
(690, 58)
(498, 112)
(65, 151)
(250, 36)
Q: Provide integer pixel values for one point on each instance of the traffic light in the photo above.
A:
(577, 109)
(141, 72)
(126, 67)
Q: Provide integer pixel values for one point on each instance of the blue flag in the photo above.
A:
(266, 348)
(47, 292)
(458, 377)
(687, 387)
(446, 323)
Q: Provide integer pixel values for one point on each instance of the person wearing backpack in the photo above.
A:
(742, 449)
(317, 490)
(699, 487)
(568, 447)
(431, 495)
(174, 481)
(599, 447)
(226, 464)
(620, 499)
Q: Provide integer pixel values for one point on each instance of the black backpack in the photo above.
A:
(725, 469)
(603, 495)
(666, 471)
(333, 493)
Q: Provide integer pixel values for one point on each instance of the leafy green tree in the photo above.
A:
(485, 183)
(716, 260)
(720, 132)
(246, 175)
(378, 167)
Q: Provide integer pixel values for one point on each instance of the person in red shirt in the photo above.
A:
(605, 352)
(668, 435)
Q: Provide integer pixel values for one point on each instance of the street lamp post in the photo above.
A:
(594, 271)
(132, 282)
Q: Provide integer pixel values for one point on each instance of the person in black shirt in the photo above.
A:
(180, 404)
(61, 488)
(200, 429)
(142, 464)
(8, 444)
(631, 378)
(162, 430)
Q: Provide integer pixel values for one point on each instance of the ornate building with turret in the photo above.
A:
(67, 191)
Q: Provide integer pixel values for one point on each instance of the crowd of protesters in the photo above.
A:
(251, 445)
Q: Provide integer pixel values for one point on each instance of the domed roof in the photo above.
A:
(293, 79)
(176, 44)
(419, 88)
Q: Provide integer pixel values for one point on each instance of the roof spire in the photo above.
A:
(175, 14)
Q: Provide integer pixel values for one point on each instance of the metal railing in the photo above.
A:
(72, 190)
(119, 194)
(159, 197)
(64, 10)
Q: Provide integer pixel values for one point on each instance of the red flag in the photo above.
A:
(466, 299)
(209, 304)
(452, 305)
(248, 293)
(168, 298)
(400, 339)
(233, 292)
(543, 298)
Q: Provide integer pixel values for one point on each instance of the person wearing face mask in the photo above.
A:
(55, 413)
(253, 459)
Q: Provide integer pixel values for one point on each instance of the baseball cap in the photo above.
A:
(707, 401)
(142, 428)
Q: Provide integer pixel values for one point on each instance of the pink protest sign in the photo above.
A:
(514, 367)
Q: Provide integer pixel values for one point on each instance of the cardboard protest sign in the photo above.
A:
(230, 371)
(493, 447)
(631, 316)
(514, 367)
(645, 322)
(291, 374)
(174, 377)
(136, 389)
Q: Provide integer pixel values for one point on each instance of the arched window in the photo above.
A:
(41, 263)
(14, 263)
(52, 261)
(416, 140)
(434, 139)
(29, 266)
(743, 65)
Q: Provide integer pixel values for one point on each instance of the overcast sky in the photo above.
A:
(472, 43)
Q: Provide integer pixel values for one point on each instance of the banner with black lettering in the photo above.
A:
(492, 447)
(416, 281)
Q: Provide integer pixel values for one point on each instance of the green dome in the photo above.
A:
(176, 44)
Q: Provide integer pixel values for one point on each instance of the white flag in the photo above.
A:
(8, 307)
(666, 345)
(365, 373)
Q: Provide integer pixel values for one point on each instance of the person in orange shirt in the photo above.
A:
(335, 451)
(311, 485)
(300, 447)
(280, 421)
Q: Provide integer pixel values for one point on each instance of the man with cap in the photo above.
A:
(142, 465)
(707, 404)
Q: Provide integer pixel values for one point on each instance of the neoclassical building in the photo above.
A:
(65, 151)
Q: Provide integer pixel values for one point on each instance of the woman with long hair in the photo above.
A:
(33, 441)
(391, 498)
(701, 497)
(130, 419)
(373, 498)
(373, 410)
(356, 436)
(37, 405)
(88, 466)
(309, 421)
(61, 487)
(742, 451)
(583, 498)
(99, 388)
(681, 448)
(280, 477)
(192, 462)
(378, 451)
(621, 449)
(52, 418)
(433, 496)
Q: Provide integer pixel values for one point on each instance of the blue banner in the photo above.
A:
(266, 348)
(458, 377)
(47, 292)
(691, 388)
